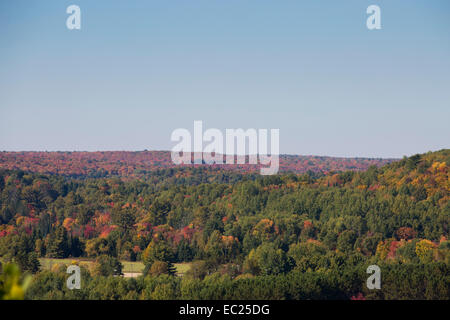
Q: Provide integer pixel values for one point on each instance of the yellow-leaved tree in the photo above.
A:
(12, 287)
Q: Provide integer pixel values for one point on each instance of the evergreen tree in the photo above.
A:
(58, 246)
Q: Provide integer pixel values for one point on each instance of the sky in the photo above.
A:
(138, 70)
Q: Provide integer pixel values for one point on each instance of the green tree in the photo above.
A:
(346, 240)
(268, 260)
(158, 251)
(58, 246)
(107, 266)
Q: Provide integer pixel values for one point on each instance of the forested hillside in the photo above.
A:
(287, 236)
(138, 164)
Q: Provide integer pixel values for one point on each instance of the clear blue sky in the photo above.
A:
(137, 70)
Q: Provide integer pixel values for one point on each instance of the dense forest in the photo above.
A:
(138, 164)
(308, 235)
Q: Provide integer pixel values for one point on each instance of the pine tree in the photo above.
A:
(58, 246)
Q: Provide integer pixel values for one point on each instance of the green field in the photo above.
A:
(128, 266)
(182, 268)
(132, 266)
(47, 263)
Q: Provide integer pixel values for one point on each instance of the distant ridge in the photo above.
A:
(129, 163)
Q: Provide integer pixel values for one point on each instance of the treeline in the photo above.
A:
(415, 281)
(142, 163)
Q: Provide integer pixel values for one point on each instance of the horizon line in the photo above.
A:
(168, 151)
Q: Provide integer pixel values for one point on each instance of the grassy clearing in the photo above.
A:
(47, 263)
(182, 268)
(132, 266)
(128, 266)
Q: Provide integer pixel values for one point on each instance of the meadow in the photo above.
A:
(134, 267)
